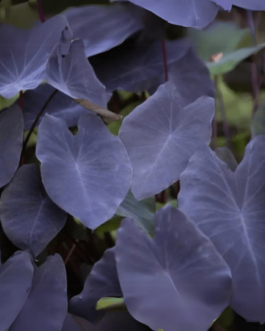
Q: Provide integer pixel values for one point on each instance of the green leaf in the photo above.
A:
(110, 303)
(173, 203)
(237, 106)
(110, 225)
(258, 121)
(4, 103)
(22, 16)
(141, 211)
(230, 60)
(219, 37)
(114, 127)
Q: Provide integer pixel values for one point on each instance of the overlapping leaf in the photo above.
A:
(136, 67)
(165, 281)
(61, 106)
(195, 13)
(250, 4)
(103, 27)
(28, 216)
(73, 75)
(46, 306)
(141, 211)
(229, 208)
(15, 281)
(24, 54)
(11, 140)
(160, 136)
(102, 282)
(112, 321)
(87, 175)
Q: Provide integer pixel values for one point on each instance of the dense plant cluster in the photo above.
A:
(132, 157)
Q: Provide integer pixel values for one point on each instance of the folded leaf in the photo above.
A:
(46, 306)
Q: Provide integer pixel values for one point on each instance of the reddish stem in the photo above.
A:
(35, 123)
(41, 12)
(20, 101)
(165, 59)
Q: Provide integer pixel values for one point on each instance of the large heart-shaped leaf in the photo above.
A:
(24, 54)
(113, 25)
(102, 282)
(11, 140)
(87, 175)
(46, 306)
(165, 281)
(61, 106)
(193, 13)
(160, 136)
(28, 216)
(15, 281)
(225, 4)
(229, 207)
(136, 67)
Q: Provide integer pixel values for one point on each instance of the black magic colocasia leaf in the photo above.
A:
(46, 306)
(11, 141)
(229, 207)
(136, 67)
(192, 13)
(15, 282)
(102, 282)
(112, 321)
(61, 106)
(24, 54)
(178, 280)
(89, 174)
(250, 4)
(29, 218)
(161, 135)
(103, 27)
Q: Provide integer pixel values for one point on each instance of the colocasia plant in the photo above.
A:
(132, 165)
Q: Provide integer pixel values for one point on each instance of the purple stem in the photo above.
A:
(41, 12)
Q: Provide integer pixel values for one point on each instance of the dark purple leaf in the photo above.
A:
(225, 4)
(136, 67)
(161, 135)
(15, 281)
(102, 282)
(61, 106)
(24, 54)
(11, 140)
(250, 4)
(29, 218)
(178, 281)
(103, 27)
(87, 175)
(46, 306)
(193, 13)
(191, 77)
(112, 321)
(73, 75)
(229, 207)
